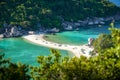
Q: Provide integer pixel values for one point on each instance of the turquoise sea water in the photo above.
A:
(117, 2)
(20, 50)
(79, 37)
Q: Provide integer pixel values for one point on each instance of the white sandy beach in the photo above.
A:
(76, 50)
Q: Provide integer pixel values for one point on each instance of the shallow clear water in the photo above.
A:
(79, 37)
(20, 50)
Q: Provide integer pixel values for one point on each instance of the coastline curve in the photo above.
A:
(76, 50)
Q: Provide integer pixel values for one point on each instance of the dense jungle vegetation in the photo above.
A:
(50, 13)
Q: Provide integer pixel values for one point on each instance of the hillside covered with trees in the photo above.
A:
(50, 13)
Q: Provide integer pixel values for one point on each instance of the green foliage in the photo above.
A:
(105, 66)
(11, 71)
(49, 67)
(103, 42)
(47, 12)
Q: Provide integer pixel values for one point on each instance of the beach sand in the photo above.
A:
(76, 50)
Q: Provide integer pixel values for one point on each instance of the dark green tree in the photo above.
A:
(103, 42)
(47, 12)
(105, 66)
(12, 71)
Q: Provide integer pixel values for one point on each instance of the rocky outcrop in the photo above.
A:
(90, 41)
(68, 25)
(53, 30)
(13, 31)
(9, 30)
(1, 36)
(88, 22)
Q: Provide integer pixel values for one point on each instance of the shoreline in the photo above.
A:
(76, 50)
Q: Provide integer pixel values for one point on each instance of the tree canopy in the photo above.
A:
(105, 66)
(49, 13)
(12, 71)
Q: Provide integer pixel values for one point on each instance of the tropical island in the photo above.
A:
(54, 16)
(91, 24)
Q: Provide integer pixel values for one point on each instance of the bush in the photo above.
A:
(103, 42)
(12, 71)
